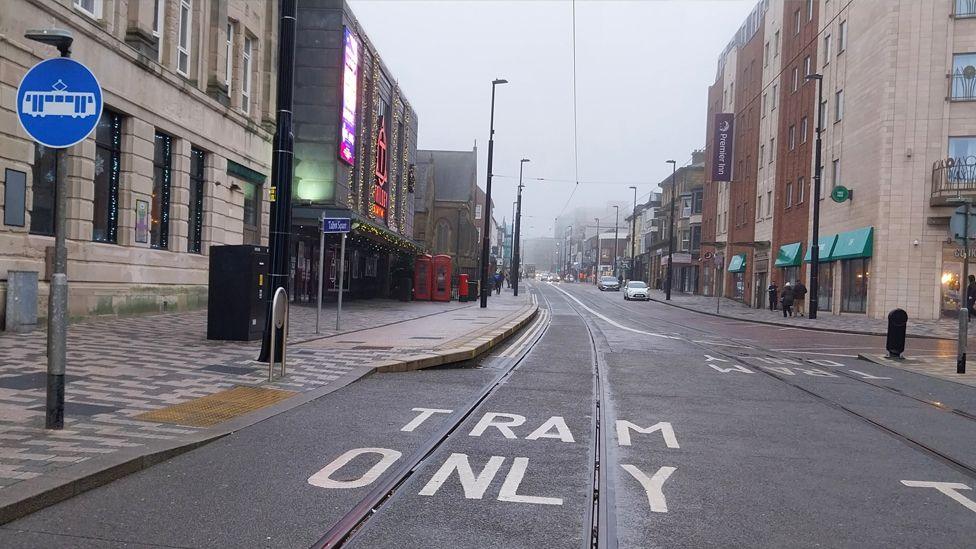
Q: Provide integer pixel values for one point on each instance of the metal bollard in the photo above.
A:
(897, 326)
(279, 321)
(963, 329)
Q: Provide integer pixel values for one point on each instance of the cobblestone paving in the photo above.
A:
(847, 322)
(122, 367)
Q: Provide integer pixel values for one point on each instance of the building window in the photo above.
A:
(826, 48)
(246, 75)
(685, 241)
(108, 162)
(159, 19)
(835, 173)
(477, 211)
(826, 287)
(965, 8)
(229, 56)
(762, 155)
(822, 116)
(839, 105)
(183, 55)
(769, 202)
(801, 185)
(776, 44)
(91, 8)
(772, 99)
(792, 137)
(696, 231)
(772, 149)
(809, 10)
(764, 100)
(758, 207)
(803, 130)
(162, 180)
(252, 213)
(796, 78)
(686, 206)
(766, 55)
(44, 184)
(807, 68)
(964, 76)
(789, 194)
(195, 235)
(697, 198)
(796, 22)
(842, 41)
(854, 285)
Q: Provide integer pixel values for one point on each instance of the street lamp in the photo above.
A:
(57, 300)
(633, 229)
(599, 251)
(667, 289)
(516, 250)
(616, 241)
(817, 171)
(485, 236)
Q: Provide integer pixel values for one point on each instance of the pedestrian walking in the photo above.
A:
(508, 279)
(498, 283)
(786, 298)
(799, 294)
(773, 290)
(971, 296)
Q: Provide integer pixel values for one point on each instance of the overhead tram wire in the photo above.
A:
(575, 122)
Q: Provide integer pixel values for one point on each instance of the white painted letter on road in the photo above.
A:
(323, 478)
(624, 428)
(557, 423)
(652, 486)
(422, 417)
(509, 491)
(474, 487)
(736, 368)
(505, 427)
(948, 488)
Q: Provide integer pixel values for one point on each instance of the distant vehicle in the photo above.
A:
(608, 283)
(529, 270)
(636, 289)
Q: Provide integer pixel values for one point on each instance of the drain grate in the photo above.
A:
(217, 408)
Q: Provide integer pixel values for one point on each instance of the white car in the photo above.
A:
(635, 289)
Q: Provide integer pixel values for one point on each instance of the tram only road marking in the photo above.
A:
(950, 489)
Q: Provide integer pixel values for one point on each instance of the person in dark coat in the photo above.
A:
(786, 298)
(799, 295)
(498, 283)
(971, 296)
(773, 290)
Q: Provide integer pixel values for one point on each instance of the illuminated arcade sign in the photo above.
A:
(350, 71)
(381, 198)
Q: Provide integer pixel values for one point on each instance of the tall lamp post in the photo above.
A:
(633, 237)
(511, 243)
(667, 288)
(616, 242)
(485, 237)
(517, 249)
(599, 251)
(57, 299)
(817, 171)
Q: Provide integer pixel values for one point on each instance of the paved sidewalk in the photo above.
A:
(847, 323)
(942, 368)
(121, 369)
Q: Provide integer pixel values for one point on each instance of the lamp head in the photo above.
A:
(814, 77)
(499, 81)
(59, 38)
(670, 162)
(525, 160)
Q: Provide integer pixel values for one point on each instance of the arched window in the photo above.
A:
(442, 239)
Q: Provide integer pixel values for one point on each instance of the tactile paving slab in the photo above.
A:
(217, 408)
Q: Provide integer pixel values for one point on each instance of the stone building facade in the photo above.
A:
(899, 111)
(178, 162)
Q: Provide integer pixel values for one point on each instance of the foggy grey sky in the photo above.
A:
(643, 69)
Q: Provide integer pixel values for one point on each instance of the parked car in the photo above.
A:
(635, 289)
(608, 283)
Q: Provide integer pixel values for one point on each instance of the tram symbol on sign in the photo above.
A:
(58, 102)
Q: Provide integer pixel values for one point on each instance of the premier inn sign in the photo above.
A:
(722, 143)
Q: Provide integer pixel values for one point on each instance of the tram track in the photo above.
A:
(963, 467)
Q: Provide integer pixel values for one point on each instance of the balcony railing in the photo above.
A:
(953, 180)
(962, 83)
(965, 8)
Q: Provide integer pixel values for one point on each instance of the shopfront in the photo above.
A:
(737, 273)
(759, 280)
(825, 280)
(788, 260)
(853, 251)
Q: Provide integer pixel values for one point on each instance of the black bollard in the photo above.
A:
(897, 325)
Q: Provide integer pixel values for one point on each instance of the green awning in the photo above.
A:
(737, 264)
(853, 244)
(827, 244)
(789, 255)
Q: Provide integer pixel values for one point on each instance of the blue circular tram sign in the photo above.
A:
(59, 102)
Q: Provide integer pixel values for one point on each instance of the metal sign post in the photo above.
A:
(333, 225)
(318, 309)
(59, 103)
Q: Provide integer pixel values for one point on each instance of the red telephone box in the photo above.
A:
(422, 272)
(441, 279)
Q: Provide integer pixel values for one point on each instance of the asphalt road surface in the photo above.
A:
(606, 423)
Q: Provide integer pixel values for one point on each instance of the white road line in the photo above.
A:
(516, 347)
(812, 353)
(736, 345)
(613, 322)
